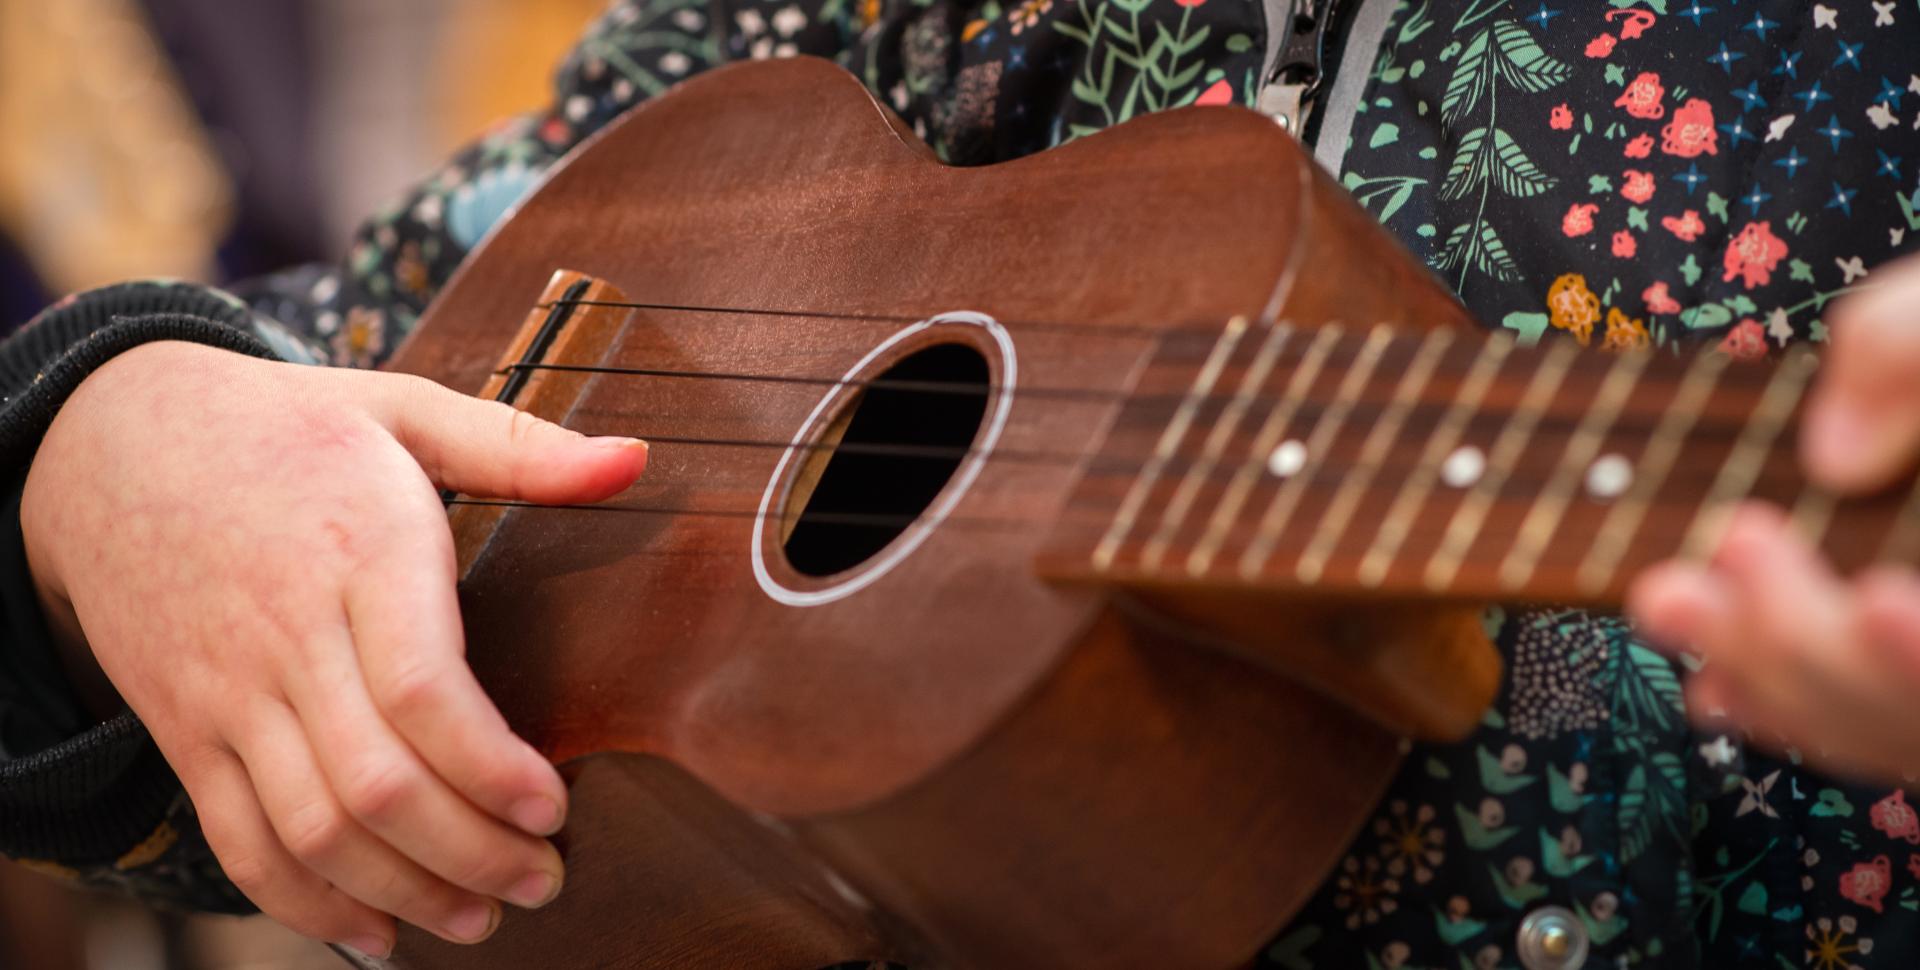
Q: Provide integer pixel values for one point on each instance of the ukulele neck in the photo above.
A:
(1446, 465)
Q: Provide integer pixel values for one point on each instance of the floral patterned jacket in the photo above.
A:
(1623, 174)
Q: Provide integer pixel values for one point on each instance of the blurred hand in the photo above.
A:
(1829, 665)
(258, 559)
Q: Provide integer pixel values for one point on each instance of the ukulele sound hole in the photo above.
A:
(885, 458)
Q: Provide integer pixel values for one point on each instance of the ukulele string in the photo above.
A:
(1344, 347)
(1524, 482)
(1118, 331)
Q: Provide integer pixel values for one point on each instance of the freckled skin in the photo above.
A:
(253, 555)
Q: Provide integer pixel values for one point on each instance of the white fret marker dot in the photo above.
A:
(1609, 477)
(1287, 459)
(1463, 467)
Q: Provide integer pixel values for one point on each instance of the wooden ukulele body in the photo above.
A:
(939, 756)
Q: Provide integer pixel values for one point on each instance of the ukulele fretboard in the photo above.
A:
(1446, 464)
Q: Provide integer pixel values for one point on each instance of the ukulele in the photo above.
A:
(1038, 565)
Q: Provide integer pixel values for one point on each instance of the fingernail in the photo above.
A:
(534, 891)
(471, 925)
(537, 814)
(616, 443)
(371, 946)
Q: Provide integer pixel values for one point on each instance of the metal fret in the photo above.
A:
(1373, 454)
(1216, 445)
(1170, 439)
(1813, 513)
(1406, 505)
(1903, 541)
(1742, 467)
(1467, 519)
(1319, 441)
(1304, 374)
(1551, 505)
(1622, 523)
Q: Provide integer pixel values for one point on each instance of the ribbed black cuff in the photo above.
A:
(88, 799)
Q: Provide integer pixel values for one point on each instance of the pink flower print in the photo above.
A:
(1639, 187)
(1579, 219)
(1220, 93)
(1637, 22)
(1643, 98)
(1746, 341)
(1867, 883)
(1624, 245)
(1601, 46)
(1687, 227)
(1640, 147)
(1658, 300)
(1753, 254)
(1690, 134)
(1562, 117)
(1895, 817)
(1913, 863)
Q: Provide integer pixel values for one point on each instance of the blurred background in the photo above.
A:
(211, 140)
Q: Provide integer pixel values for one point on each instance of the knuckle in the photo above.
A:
(249, 872)
(414, 684)
(378, 788)
(523, 428)
(489, 867)
(316, 832)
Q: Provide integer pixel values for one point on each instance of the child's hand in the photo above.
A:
(260, 563)
(1828, 665)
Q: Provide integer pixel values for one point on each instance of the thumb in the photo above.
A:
(488, 449)
(1863, 421)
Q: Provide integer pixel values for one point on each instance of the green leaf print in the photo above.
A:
(1477, 836)
(1556, 862)
(1523, 64)
(1157, 75)
(1530, 326)
(1471, 77)
(1483, 251)
(1486, 157)
(1652, 802)
(1495, 778)
(1516, 896)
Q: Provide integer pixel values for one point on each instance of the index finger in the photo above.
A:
(1862, 425)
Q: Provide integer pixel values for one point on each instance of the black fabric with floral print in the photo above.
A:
(1623, 174)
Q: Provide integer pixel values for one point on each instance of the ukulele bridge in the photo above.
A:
(573, 324)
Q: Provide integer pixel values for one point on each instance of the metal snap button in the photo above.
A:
(1552, 938)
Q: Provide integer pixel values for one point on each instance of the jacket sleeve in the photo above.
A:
(96, 802)
(76, 796)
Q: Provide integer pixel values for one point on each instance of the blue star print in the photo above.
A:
(1725, 58)
(1736, 131)
(1849, 54)
(1761, 25)
(1814, 95)
(1842, 199)
(1834, 132)
(1691, 177)
(1791, 162)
